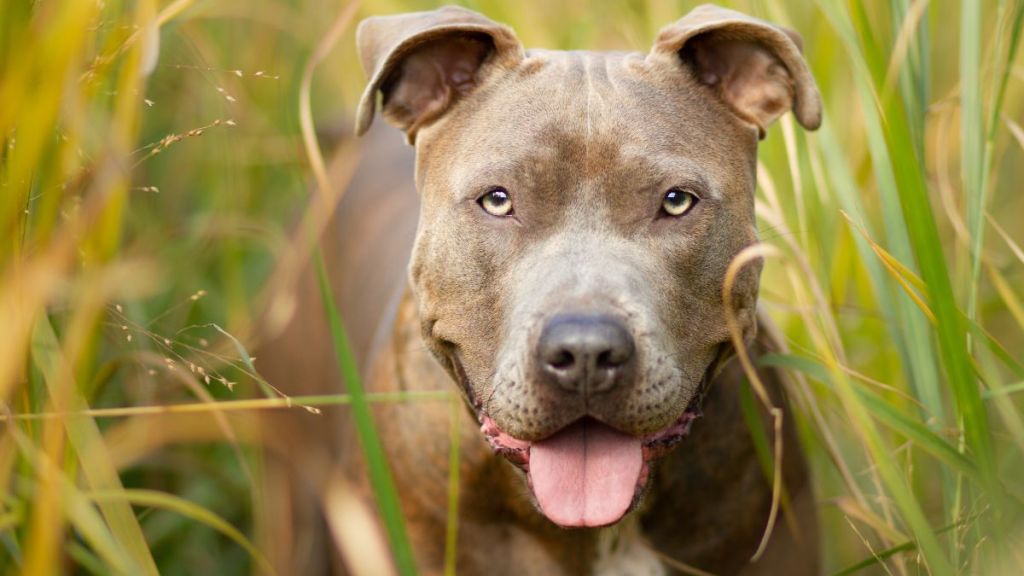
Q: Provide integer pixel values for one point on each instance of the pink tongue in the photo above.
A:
(586, 474)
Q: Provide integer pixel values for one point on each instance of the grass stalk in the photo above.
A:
(377, 466)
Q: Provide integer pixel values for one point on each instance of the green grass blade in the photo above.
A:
(451, 540)
(11, 519)
(1009, 360)
(883, 411)
(915, 353)
(85, 559)
(179, 505)
(86, 520)
(879, 556)
(243, 354)
(1014, 388)
(952, 332)
(910, 331)
(88, 444)
(755, 426)
(972, 152)
(376, 461)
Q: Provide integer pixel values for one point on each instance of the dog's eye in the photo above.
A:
(496, 202)
(678, 202)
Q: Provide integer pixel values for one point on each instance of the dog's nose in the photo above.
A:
(585, 354)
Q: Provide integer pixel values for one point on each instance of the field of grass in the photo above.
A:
(153, 165)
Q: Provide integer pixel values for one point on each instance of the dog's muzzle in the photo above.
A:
(586, 473)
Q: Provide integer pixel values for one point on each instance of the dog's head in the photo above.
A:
(579, 213)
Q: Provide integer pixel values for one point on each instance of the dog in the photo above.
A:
(577, 213)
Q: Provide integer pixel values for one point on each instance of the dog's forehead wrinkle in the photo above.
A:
(590, 129)
(593, 65)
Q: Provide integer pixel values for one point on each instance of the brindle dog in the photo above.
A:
(578, 213)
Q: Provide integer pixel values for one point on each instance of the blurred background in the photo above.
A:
(154, 175)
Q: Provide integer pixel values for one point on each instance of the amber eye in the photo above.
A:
(678, 202)
(496, 202)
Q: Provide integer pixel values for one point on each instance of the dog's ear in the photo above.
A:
(422, 62)
(753, 66)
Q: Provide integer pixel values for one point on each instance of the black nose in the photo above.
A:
(585, 354)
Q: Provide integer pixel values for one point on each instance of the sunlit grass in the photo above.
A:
(158, 196)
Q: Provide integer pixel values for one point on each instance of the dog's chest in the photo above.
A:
(622, 551)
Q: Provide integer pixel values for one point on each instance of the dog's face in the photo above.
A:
(579, 213)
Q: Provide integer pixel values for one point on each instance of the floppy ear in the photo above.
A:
(753, 66)
(422, 62)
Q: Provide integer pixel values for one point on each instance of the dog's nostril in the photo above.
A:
(585, 353)
(610, 359)
(562, 359)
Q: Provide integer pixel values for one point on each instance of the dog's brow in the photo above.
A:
(683, 170)
(468, 182)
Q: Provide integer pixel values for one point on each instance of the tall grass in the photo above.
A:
(153, 166)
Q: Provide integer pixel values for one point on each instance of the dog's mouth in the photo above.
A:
(588, 474)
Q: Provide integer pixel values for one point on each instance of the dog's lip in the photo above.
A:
(515, 450)
(655, 445)
(462, 379)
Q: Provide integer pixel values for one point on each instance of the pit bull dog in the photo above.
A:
(577, 215)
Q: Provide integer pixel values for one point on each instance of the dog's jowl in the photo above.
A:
(578, 213)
